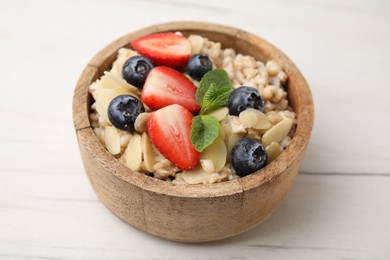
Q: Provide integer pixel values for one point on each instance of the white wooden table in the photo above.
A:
(339, 207)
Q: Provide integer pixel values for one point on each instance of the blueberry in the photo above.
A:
(123, 110)
(136, 69)
(198, 65)
(244, 97)
(248, 156)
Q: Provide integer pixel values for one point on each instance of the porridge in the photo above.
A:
(186, 110)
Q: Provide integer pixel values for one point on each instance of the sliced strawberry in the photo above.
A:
(165, 86)
(169, 130)
(164, 49)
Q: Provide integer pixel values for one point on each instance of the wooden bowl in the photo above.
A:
(192, 213)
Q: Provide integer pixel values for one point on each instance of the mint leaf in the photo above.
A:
(204, 131)
(208, 97)
(219, 77)
(215, 98)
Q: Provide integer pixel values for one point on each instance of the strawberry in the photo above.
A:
(165, 86)
(169, 130)
(164, 49)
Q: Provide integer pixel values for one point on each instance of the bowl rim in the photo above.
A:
(89, 141)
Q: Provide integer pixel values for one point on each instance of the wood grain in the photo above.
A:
(202, 212)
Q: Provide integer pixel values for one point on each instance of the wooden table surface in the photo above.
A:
(339, 207)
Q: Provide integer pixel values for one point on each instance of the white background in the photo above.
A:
(339, 207)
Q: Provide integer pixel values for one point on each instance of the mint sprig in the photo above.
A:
(213, 92)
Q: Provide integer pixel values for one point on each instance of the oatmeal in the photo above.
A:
(243, 108)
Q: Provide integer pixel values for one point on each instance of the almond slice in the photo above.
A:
(93, 87)
(222, 132)
(285, 142)
(273, 150)
(111, 81)
(224, 127)
(133, 153)
(274, 117)
(230, 142)
(196, 43)
(262, 121)
(112, 140)
(217, 153)
(207, 165)
(253, 118)
(248, 117)
(219, 113)
(103, 100)
(277, 132)
(196, 175)
(148, 153)
(141, 122)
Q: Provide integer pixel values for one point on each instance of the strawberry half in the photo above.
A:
(164, 49)
(165, 86)
(169, 129)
